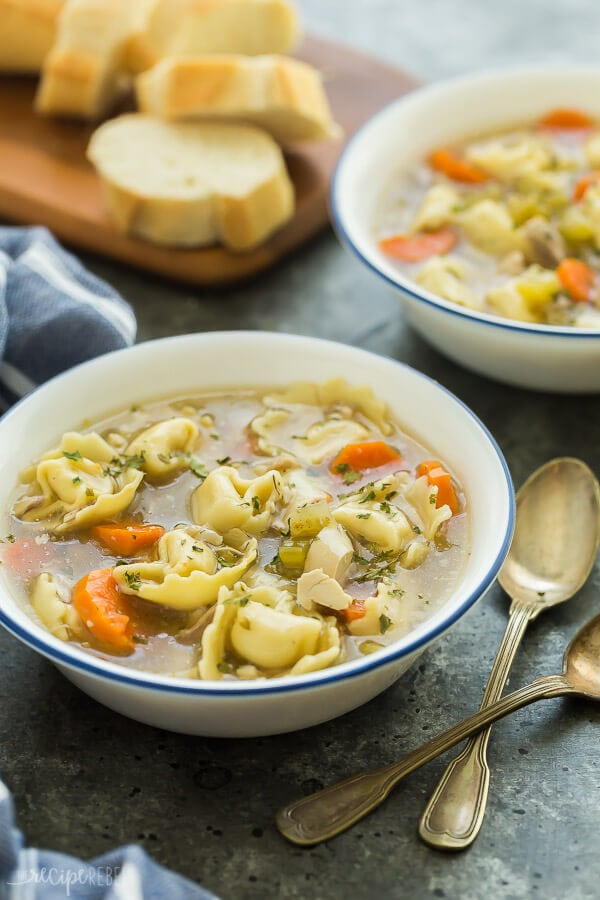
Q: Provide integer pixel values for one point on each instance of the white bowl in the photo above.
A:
(542, 357)
(201, 362)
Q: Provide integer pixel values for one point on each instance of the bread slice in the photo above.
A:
(83, 73)
(192, 184)
(200, 27)
(27, 32)
(281, 95)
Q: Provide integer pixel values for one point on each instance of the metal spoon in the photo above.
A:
(557, 505)
(568, 545)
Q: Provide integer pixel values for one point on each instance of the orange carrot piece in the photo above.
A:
(367, 455)
(583, 184)
(127, 538)
(416, 247)
(565, 117)
(101, 606)
(438, 477)
(356, 610)
(577, 278)
(452, 166)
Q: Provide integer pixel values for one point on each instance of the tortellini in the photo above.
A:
(78, 485)
(226, 500)
(163, 447)
(188, 572)
(489, 227)
(437, 208)
(509, 157)
(446, 277)
(60, 618)
(266, 636)
(375, 519)
(423, 497)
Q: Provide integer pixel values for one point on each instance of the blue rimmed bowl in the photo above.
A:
(540, 357)
(204, 362)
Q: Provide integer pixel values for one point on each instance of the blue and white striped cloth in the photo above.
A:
(53, 313)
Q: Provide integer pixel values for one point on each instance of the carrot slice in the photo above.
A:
(356, 610)
(416, 247)
(577, 278)
(367, 455)
(438, 477)
(127, 539)
(452, 166)
(566, 117)
(583, 184)
(103, 610)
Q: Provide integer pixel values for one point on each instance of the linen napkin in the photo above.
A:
(53, 315)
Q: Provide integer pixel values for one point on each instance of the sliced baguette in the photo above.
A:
(192, 184)
(27, 32)
(83, 73)
(200, 27)
(281, 95)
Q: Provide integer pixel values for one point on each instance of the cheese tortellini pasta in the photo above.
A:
(506, 224)
(252, 536)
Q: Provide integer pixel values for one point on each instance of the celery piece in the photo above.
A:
(308, 520)
(293, 554)
(537, 286)
(367, 647)
(575, 227)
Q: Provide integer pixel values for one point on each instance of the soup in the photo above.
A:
(507, 224)
(237, 535)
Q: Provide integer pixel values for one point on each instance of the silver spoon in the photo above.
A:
(567, 540)
(555, 506)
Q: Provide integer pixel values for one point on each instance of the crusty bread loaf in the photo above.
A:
(83, 73)
(281, 95)
(192, 184)
(27, 31)
(200, 27)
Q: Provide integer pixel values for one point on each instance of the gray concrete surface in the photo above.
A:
(86, 779)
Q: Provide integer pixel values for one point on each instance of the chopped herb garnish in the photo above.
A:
(10, 538)
(416, 529)
(224, 461)
(256, 504)
(397, 592)
(133, 580)
(74, 456)
(351, 477)
(164, 458)
(342, 468)
(136, 638)
(223, 667)
(135, 461)
(76, 480)
(363, 516)
(299, 437)
(226, 563)
(215, 437)
(385, 507)
(135, 408)
(90, 493)
(197, 548)
(198, 468)
(384, 623)
(368, 497)
(360, 560)
(390, 495)
(244, 600)
(432, 499)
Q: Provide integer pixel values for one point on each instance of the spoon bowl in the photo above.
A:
(549, 559)
(582, 660)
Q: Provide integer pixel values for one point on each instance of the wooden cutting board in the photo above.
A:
(45, 178)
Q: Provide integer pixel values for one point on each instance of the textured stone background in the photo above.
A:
(86, 779)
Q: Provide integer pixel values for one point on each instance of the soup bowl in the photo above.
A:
(204, 362)
(540, 357)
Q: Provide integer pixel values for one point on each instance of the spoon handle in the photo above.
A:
(322, 815)
(454, 815)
